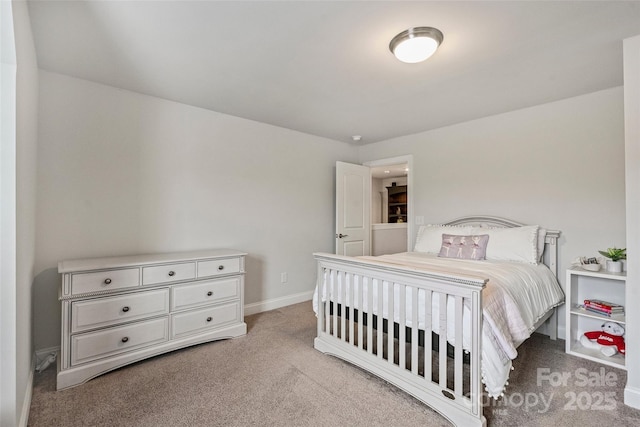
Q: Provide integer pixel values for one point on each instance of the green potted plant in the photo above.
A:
(615, 255)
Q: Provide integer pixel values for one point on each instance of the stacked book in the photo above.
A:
(603, 307)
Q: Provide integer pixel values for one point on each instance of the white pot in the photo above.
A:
(614, 266)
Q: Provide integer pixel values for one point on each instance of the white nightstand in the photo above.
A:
(583, 284)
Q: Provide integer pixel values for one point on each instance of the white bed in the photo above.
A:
(493, 305)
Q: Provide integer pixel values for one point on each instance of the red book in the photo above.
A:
(603, 305)
(596, 308)
(599, 308)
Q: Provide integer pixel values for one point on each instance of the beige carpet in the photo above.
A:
(274, 377)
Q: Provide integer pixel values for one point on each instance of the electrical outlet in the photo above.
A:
(419, 220)
(283, 278)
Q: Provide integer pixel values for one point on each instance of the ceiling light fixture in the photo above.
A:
(416, 44)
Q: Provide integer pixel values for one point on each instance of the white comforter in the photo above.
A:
(515, 298)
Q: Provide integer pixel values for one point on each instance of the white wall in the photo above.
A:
(122, 173)
(632, 151)
(560, 165)
(26, 155)
(8, 306)
(18, 214)
(388, 238)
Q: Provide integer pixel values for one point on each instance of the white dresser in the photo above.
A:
(119, 310)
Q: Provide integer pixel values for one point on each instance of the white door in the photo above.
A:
(353, 209)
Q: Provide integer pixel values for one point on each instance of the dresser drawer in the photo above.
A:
(203, 319)
(168, 273)
(217, 267)
(108, 311)
(82, 283)
(119, 339)
(203, 293)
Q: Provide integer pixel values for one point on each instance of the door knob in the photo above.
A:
(340, 236)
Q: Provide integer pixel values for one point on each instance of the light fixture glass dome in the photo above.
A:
(416, 44)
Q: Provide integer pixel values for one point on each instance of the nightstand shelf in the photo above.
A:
(618, 318)
(580, 285)
(617, 360)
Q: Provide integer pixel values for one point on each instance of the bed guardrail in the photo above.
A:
(359, 300)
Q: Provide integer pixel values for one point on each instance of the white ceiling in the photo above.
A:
(389, 171)
(324, 68)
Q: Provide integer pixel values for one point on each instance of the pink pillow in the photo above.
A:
(464, 247)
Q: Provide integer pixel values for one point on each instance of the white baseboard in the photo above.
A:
(26, 403)
(632, 397)
(43, 353)
(272, 304)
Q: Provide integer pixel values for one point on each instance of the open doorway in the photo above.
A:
(391, 205)
(389, 189)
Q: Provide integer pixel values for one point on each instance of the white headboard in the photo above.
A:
(551, 240)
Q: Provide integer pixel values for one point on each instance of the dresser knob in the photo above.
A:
(172, 273)
(221, 267)
(209, 293)
(125, 308)
(125, 339)
(107, 281)
(209, 319)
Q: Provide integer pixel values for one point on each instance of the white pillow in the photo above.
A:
(512, 244)
(429, 238)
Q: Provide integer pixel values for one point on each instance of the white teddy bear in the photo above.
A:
(609, 339)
